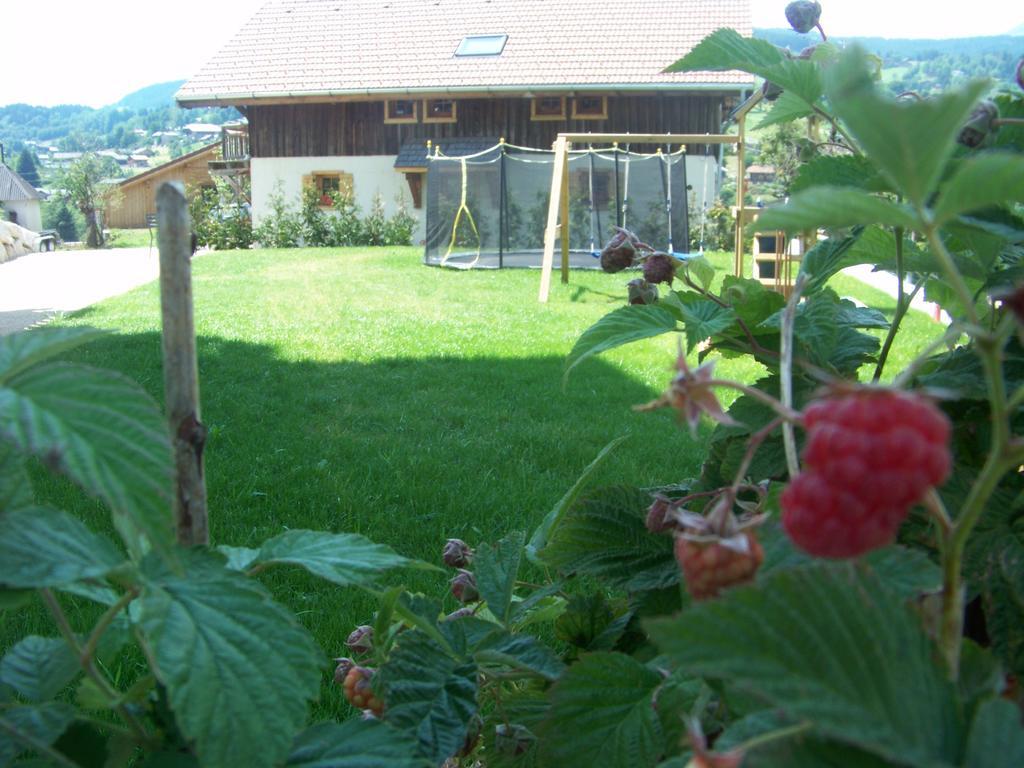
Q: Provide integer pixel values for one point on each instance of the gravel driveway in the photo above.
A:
(36, 287)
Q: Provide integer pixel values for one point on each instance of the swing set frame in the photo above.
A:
(558, 206)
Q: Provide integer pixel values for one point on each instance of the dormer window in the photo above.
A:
(482, 45)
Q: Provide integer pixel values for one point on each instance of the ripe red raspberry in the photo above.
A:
(709, 567)
(870, 455)
(359, 693)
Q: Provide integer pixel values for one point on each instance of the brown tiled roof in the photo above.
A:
(14, 187)
(294, 49)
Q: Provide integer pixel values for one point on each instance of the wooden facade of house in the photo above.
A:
(359, 128)
(136, 197)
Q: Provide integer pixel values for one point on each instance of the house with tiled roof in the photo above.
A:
(19, 200)
(346, 93)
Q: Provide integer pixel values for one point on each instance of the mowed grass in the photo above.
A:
(360, 391)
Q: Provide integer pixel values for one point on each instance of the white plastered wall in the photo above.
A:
(27, 211)
(370, 175)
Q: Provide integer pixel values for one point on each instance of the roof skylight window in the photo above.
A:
(481, 45)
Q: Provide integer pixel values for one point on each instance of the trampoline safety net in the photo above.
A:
(490, 209)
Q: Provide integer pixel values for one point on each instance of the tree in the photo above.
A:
(58, 216)
(781, 148)
(28, 168)
(84, 187)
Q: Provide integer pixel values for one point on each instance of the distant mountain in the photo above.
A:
(923, 66)
(152, 96)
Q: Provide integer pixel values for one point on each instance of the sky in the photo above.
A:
(96, 52)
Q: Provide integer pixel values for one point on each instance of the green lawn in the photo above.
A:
(357, 390)
(129, 238)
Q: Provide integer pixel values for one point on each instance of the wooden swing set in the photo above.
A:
(773, 259)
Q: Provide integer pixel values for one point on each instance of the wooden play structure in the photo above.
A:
(773, 254)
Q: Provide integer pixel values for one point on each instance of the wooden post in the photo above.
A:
(551, 230)
(181, 372)
(741, 194)
(565, 231)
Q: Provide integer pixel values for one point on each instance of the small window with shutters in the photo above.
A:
(328, 185)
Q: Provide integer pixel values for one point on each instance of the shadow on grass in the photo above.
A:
(405, 451)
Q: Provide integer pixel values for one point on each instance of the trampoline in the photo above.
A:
(489, 209)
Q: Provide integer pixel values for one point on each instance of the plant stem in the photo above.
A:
(937, 511)
(786, 372)
(768, 738)
(752, 445)
(897, 317)
(89, 650)
(1000, 460)
(952, 274)
(787, 413)
(89, 667)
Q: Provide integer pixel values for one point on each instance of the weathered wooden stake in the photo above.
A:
(181, 372)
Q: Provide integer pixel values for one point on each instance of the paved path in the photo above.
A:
(887, 282)
(36, 287)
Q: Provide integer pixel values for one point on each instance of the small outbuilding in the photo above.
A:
(136, 197)
(20, 200)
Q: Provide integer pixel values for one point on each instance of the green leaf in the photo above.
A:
(42, 547)
(496, 569)
(700, 268)
(106, 434)
(838, 171)
(997, 737)
(622, 326)
(552, 519)
(20, 351)
(831, 208)
(24, 728)
(703, 319)
(355, 744)
(604, 536)
(829, 644)
(908, 141)
(428, 694)
(522, 652)
(238, 668)
(239, 558)
(828, 258)
(39, 667)
(992, 178)
(602, 713)
(787, 108)
(752, 302)
(345, 559)
(15, 487)
(726, 49)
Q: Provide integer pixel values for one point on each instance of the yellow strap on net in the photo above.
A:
(455, 225)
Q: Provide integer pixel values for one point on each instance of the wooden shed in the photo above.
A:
(136, 197)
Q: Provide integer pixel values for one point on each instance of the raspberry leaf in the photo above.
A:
(355, 744)
(838, 171)
(429, 694)
(15, 487)
(39, 667)
(703, 319)
(602, 713)
(833, 646)
(42, 547)
(623, 326)
(496, 570)
(603, 535)
(994, 178)
(787, 108)
(996, 739)
(238, 668)
(21, 728)
(345, 559)
(832, 207)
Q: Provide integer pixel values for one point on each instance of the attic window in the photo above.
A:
(547, 108)
(590, 108)
(400, 111)
(438, 111)
(481, 45)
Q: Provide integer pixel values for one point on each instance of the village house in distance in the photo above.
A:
(335, 92)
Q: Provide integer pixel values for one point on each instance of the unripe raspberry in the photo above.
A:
(642, 292)
(770, 91)
(457, 553)
(1020, 73)
(660, 268)
(460, 613)
(361, 639)
(659, 517)
(359, 691)
(979, 124)
(344, 665)
(803, 16)
(620, 252)
(710, 567)
(463, 587)
(870, 455)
